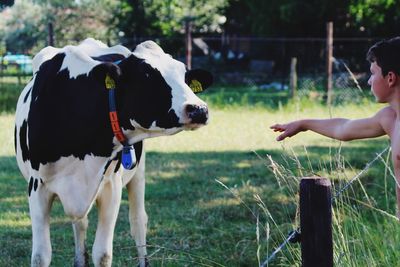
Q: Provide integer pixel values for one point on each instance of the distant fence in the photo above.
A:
(19, 66)
(260, 59)
(266, 56)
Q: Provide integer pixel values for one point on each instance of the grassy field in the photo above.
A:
(208, 191)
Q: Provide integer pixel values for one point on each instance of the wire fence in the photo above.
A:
(263, 60)
(293, 236)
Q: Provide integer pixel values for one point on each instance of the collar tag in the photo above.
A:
(110, 83)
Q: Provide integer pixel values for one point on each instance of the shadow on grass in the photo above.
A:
(192, 218)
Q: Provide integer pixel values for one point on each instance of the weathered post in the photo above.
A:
(50, 34)
(293, 77)
(329, 57)
(316, 222)
(188, 42)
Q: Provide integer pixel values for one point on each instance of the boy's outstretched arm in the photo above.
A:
(338, 128)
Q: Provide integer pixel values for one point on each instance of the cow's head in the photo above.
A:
(155, 92)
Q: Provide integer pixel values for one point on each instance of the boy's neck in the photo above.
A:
(395, 102)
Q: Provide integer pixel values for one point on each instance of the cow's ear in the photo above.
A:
(198, 80)
(101, 70)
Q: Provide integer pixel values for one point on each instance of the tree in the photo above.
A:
(73, 21)
(375, 18)
(166, 17)
(307, 18)
(130, 20)
(286, 18)
(22, 30)
(6, 3)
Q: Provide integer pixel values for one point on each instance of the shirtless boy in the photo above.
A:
(384, 57)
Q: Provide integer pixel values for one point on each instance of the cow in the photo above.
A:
(80, 127)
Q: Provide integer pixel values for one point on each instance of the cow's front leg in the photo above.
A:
(137, 212)
(81, 255)
(40, 201)
(108, 203)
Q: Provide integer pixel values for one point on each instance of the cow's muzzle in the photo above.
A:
(197, 114)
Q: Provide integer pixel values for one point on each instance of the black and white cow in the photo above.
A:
(68, 148)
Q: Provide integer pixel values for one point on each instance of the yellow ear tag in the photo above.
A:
(196, 87)
(110, 83)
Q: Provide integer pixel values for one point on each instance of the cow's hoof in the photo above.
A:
(105, 260)
(40, 260)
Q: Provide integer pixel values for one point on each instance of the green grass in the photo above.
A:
(206, 188)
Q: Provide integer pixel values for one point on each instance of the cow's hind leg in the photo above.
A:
(137, 212)
(40, 201)
(81, 255)
(108, 203)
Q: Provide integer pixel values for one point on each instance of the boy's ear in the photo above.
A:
(392, 78)
(198, 80)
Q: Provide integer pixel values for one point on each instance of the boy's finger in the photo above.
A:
(281, 137)
(276, 126)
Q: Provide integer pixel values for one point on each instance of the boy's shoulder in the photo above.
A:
(386, 112)
(386, 117)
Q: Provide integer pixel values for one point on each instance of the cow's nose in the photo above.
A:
(197, 113)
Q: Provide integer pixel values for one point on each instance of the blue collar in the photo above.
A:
(128, 157)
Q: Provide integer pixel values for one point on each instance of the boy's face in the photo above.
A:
(379, 85)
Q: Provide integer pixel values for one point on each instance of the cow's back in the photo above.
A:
(63, 111)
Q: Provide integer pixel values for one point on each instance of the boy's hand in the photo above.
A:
(288, 129)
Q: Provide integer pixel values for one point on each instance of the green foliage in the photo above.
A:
(115, 21)
(308, 18)
(3, 49)
(378, 17)
(167, 18)
(204, 14)
(73, 21)
(131, 19)
(107, 20)
(76, 20)
(23, 30)
(287, 18)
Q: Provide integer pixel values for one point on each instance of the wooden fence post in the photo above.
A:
(188, 42)
(329, 55)
(50, 34)
(293, 77)
(316, 222)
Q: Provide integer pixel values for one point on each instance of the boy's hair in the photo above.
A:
(386, 54)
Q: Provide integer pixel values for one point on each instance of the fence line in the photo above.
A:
(293, 233)
(290, 237)
(367, 166)
(264, 55)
